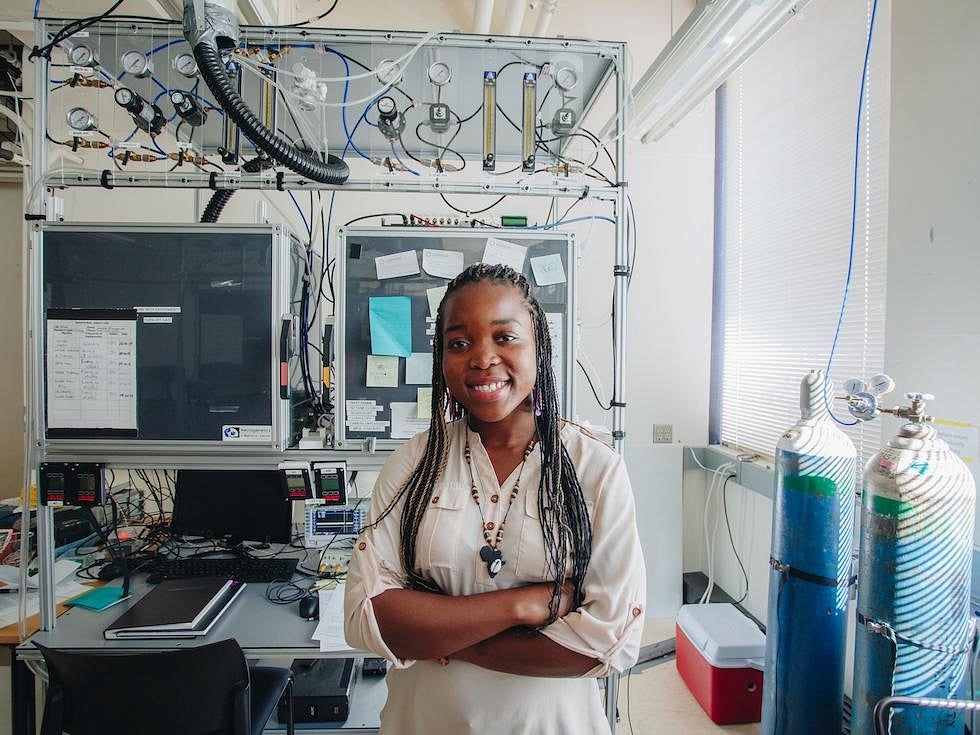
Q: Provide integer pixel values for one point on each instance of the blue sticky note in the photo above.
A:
(98, 599)
(391, 325)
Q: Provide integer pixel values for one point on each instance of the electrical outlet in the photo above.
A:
(663, 433)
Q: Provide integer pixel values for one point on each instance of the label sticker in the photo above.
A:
(246, 433)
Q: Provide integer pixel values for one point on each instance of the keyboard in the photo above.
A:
(243, 569)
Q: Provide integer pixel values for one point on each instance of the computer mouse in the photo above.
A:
(309, 607)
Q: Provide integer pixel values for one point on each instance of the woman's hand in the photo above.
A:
(533, 609)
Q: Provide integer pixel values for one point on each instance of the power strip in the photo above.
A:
(451, 220)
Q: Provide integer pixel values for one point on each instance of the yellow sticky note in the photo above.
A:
(424, 403)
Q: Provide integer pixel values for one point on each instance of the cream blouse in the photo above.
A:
(425, 697)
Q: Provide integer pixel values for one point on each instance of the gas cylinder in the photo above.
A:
(809, 579)
(914, 627)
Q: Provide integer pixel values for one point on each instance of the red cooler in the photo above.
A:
(720, 656)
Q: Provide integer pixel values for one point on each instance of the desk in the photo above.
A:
(272, 633)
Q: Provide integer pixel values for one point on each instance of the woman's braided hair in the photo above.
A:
(561, 505)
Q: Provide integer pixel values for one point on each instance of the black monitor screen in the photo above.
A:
(246, 505)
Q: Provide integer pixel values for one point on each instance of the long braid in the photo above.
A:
(562, 512)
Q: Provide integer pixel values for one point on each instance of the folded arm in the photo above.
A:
(426, 625)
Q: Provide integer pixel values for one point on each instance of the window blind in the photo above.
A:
(789, 164)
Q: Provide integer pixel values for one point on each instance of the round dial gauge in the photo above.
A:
(566, 78)
(853, 385)
(124, 96)
(81, 55)
(440, 73)
(387, 108)
(81, 119)
(389, 71)
(185, 65)
(881, 384)
(135, 63)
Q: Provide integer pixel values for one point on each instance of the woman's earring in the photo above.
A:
(536, 401)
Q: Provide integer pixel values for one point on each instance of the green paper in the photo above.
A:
(99, 598)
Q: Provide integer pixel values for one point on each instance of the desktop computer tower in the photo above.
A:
(321, 690)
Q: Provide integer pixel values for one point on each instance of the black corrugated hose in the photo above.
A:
(221, 197)
(216, 203)
(332, 171)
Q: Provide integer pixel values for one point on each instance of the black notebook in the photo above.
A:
(177, 608)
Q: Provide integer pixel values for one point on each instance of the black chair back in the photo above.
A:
(193, 691)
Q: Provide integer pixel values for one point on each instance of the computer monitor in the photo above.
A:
(235, 505)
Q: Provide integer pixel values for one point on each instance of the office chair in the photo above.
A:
(205, 689)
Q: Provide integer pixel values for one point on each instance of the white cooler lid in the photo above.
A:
(724, 635)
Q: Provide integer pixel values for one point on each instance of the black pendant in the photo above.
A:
(494, 559)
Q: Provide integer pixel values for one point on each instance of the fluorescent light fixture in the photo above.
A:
(711, 44)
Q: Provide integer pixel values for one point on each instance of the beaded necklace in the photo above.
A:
(490, 553)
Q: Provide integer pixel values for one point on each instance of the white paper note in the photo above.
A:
(418, 368)
(330, 630)
(405, 422)
(505, 253)
(434, 295)
(362, 415)
(442, 263)
(397, 264)
(962, 440)
(91, 373)
(382, 371)
(548, 270)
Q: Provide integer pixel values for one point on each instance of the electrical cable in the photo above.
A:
(594, 393)
(378, 214)
(69, 30)
(854, 199)
(321, 16)
(474, 211)
(731, 540)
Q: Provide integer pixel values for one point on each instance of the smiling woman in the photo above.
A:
(499, 609)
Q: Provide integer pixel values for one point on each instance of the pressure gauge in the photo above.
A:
(137, 64)
(81, 55)
(440, 73)
(387, 109)
(566, 78)
(389, 71)
(185, 65)
(81, 119)
(880, 384)
(853, 386)
(124, 97)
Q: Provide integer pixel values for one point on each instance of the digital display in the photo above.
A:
(331, 485)
(296, 482)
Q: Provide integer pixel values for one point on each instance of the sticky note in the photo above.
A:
(382, 371)
(404, 423)
(418, 368)
(504, 253)
(397, 264)
(424, 403)
(548, 270)
(442, 263)
(391, 325)
(435, 296)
